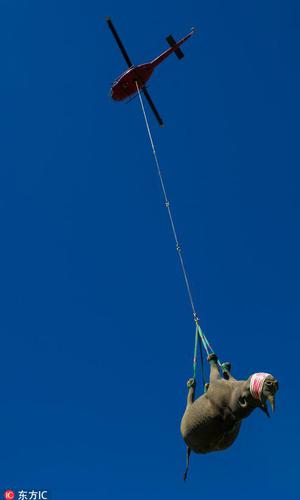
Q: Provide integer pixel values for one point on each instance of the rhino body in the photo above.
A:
(209, 423)
(212, 422)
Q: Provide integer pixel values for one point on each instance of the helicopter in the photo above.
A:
(136, 77)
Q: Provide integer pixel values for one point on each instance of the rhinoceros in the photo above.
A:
(212, 421)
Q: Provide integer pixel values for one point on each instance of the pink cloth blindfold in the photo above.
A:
(256, 384)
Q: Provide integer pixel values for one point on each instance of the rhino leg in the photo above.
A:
(191, 385)
(188, 453)
(226, 370)
(214, 369)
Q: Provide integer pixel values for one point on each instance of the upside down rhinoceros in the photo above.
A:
(212, 422)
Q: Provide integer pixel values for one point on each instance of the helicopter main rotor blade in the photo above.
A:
(152, 106)
(118, 40)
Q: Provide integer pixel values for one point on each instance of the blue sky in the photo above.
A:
(96, 329)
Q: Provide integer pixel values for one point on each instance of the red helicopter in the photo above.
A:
(125, 85)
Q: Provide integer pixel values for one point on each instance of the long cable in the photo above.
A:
(167, 204)
(199, 332)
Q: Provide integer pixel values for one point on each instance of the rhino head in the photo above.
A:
(258, 389)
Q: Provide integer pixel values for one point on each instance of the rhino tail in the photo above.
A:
(188, 453)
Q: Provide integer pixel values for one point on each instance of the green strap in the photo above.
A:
(203, 343)
(199, 335)
(195, 353)
(203, 339)
(202, 367)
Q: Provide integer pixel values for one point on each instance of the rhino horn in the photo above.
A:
(271, 399)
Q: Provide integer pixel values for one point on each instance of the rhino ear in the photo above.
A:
(242, 402)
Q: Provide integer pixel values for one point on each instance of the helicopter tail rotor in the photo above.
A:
(178, 52)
